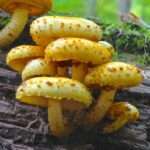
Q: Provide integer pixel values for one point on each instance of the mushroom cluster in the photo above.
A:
(62, 69)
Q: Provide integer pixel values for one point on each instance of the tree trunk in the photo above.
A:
(124, 6)
(24, 127)
(91, 8)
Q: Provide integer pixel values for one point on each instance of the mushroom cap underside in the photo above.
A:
(114, 75)
(77, 50)
(35, 7)
(38, 90)
(19, 56)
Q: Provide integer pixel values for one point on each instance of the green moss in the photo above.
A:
(3, 22)
(128, 37)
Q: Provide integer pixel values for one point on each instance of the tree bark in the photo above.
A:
(124, 7)
(25, 127)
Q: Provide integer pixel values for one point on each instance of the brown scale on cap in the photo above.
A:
(81, 52)
(116, 75)
(48, 28)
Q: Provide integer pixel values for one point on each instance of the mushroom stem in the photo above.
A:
(56, 119)
(79, 71)
(62, 71)
(14, 27)
(121, 113)
(98, 112)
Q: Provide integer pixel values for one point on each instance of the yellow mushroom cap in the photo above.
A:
(77, 49)
(49, 28)
(18, 57)
(38, 67)
(114, 75)
(38, 90)
(108, 46)
(35, 7)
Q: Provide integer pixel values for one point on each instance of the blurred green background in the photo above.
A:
(132, 43)
(106, 10)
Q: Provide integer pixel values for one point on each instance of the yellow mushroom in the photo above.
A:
(21, 9)
(62, 71)
(81, 53)
(121, 113)
(110, 77)
(49, 28)
(51, 92)
(38, 67)
(108, 46)
(19, 56)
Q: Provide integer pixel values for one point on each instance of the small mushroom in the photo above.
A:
(52, 92)
(19, 56)
(121, 113)
(20, 9)
(49, 28)
(81, 53)
(38, 67)
(110, 77)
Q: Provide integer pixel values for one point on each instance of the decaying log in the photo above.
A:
(5, 73)
(7, 87)
(7, 145)
(24, 127)
(14, 126)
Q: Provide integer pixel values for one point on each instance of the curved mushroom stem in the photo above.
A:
(79, 71)
(98, 111)
(62, 71)
(14, 27)
(121, 113)
(56, 119)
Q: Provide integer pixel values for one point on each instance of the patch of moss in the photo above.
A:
(127, 37)
(3, 22)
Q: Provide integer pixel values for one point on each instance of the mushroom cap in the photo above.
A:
(20, 55)
(114, 75)
(38, 90)
(49, 28)
(35, 7)
(38, 67)
(108, 46)
(78, 50)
